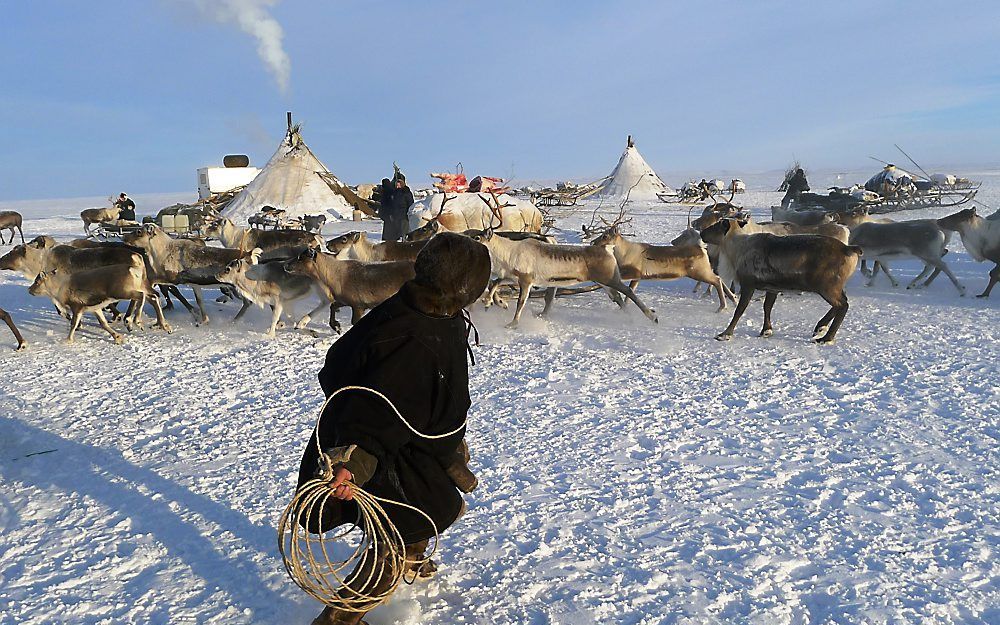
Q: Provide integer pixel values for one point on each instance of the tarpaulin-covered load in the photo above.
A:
(945, 179)
(471, 211)
(889, 180)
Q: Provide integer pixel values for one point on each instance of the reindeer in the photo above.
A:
(981, 238)
(813, 263)
(532, 262)
(166, 290)
(6, 318)
(179, 261)
(726, 266)
(357, 246)
(853, 219)
(309, 223)
(800, 217)
(269, 283)
(642, 261)
(924, 239)
(246, 239)
(93, 216)
(9, 220)
(40, 255)
(717, 210)
(424, 232)
(350, 282)
(90, 290)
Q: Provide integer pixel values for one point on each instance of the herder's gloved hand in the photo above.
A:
(350, 463)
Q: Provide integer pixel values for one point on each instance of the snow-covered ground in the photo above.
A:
(630, 472)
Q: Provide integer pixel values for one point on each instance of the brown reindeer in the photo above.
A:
(798, 262)
(93, 216)
(90, 290)
(357, 246)
(9, 220)
(642, 261)
(351, 282)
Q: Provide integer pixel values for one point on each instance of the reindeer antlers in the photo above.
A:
(444, 200)
(496, 209)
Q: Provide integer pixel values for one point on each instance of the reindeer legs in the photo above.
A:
(994, 278)
(940, 264)
(119, 339)
(920, 276)
(769, 300)
(276, 310)
(550, 295)
(304, 321)
(838, 311)
(74, 324)
(161, 322)
(525, 286)
(244, 306)
(5, 317)
(199, 298)
(623, 288)
(746, 295)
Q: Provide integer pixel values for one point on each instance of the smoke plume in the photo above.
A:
(253, 18)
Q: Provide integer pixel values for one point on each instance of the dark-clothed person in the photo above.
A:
(395, 208)
(796, 185)
(414, 349)
(126, 207)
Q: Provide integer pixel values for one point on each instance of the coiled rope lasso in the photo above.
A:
(373, 571)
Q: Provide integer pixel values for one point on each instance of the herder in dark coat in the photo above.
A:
(126, 207)
(394, 207)
(796, 185)
(414, 349)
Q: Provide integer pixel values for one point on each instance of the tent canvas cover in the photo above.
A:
(633, 177)
(297, 182)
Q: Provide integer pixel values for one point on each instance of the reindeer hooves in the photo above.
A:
(766, 334)
(511, 326)
(982, 296)
(823, 341)
(119, 339)
(723, 337)
(21, 347)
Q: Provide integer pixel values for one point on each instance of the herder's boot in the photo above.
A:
(333, 616)
(414, 554)
(459, 472)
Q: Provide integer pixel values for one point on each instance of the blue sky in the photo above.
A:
(112, 95)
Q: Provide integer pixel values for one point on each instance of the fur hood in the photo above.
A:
(452, 271)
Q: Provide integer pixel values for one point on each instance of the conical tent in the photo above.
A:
(633, 177)
(297, 182)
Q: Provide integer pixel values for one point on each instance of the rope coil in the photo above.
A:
(377, 565)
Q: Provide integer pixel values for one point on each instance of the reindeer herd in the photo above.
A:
(723, 249)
